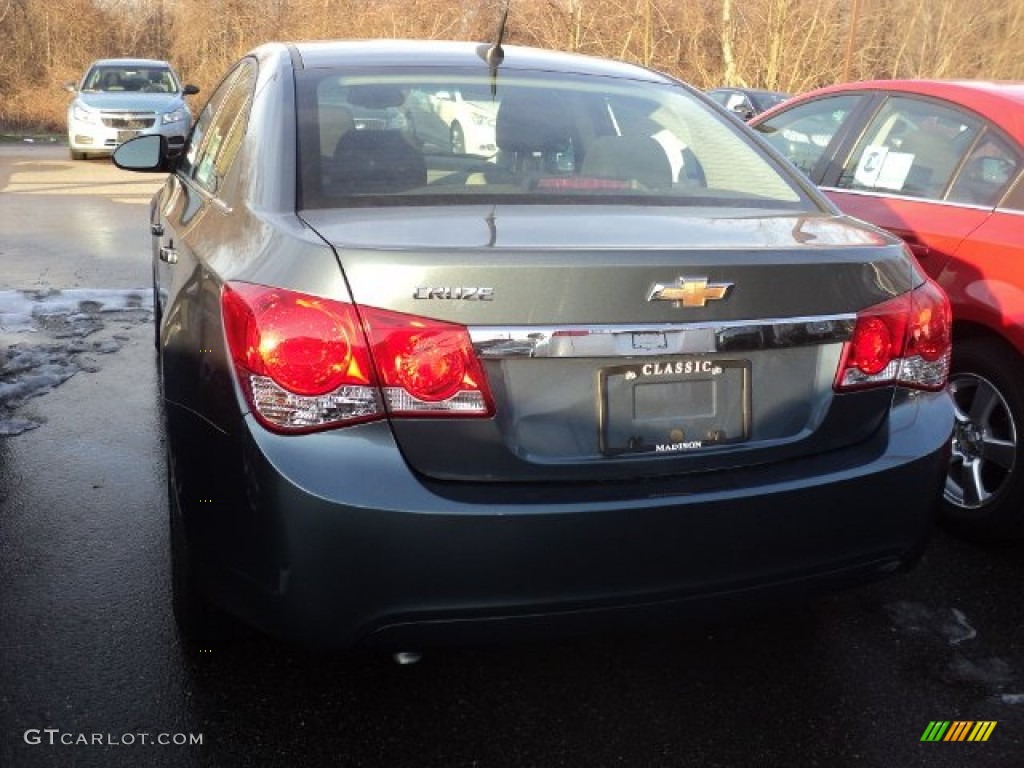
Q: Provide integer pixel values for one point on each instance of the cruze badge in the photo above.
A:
(690, 292)
(456, 292)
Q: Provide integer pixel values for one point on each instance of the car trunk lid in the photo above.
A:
(624, 343)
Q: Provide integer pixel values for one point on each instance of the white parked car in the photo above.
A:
(119, 99)
(470, 115)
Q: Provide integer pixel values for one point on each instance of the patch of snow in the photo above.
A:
(22, 310)
(60, 321)
(12, 427)
(916, 618)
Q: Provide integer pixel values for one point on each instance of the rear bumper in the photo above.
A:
(356, 550)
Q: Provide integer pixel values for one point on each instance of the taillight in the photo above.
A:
(304, 361)
(426, 367)
(906, 340)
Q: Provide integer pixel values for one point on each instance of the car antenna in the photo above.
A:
(496, 54)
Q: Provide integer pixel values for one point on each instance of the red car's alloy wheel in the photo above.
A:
(983, 491)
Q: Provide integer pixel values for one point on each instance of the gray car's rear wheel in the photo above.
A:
(200, 623)
(984, 494)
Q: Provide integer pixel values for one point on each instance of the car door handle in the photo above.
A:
(168, 254)
(920, 250)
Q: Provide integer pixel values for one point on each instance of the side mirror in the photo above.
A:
(190, 90)
(145, 154)
(743, 112)
(70, 88)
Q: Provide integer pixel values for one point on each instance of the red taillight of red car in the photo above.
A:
(305, 362)
(906, 341)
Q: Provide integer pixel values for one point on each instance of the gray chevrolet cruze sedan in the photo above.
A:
(624, 367)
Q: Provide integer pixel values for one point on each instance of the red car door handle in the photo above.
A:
(920, 250)
(916, 247)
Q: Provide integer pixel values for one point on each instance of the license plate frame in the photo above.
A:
(671, 406)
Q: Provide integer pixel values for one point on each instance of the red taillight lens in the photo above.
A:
(430, 365)
(876, 341)
(304, 361)
(301, 360)
(931, 324)
(308, 345)
(906, 340)
(426, 366)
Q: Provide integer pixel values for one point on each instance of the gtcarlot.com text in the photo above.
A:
(55, 737)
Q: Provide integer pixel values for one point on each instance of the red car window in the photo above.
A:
(911, 147)
(804, 132)
(989, 169)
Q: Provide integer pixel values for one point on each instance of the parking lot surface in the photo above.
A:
(92, 671)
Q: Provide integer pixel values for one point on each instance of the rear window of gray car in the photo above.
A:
(449, 138)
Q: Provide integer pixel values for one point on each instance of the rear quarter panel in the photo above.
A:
(934, 231)
(985, 280)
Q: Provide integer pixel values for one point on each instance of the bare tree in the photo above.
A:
(729, 75)
(787, 45)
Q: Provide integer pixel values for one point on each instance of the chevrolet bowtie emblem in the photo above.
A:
(690, 292)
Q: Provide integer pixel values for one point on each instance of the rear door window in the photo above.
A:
(991, 167)
(911, 147)
(1015, 200)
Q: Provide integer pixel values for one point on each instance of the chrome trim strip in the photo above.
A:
(910, 198)
(501, 343)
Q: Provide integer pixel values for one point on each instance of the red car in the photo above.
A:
(939, 164)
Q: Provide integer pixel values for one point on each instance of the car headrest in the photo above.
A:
(629, 158)
(375, 96)
(368, 161)
(532, 120)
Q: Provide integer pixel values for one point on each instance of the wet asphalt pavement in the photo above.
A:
(93, 673)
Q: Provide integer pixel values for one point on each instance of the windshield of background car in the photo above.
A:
(120, 78)
(765, 101)
(450, 138)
